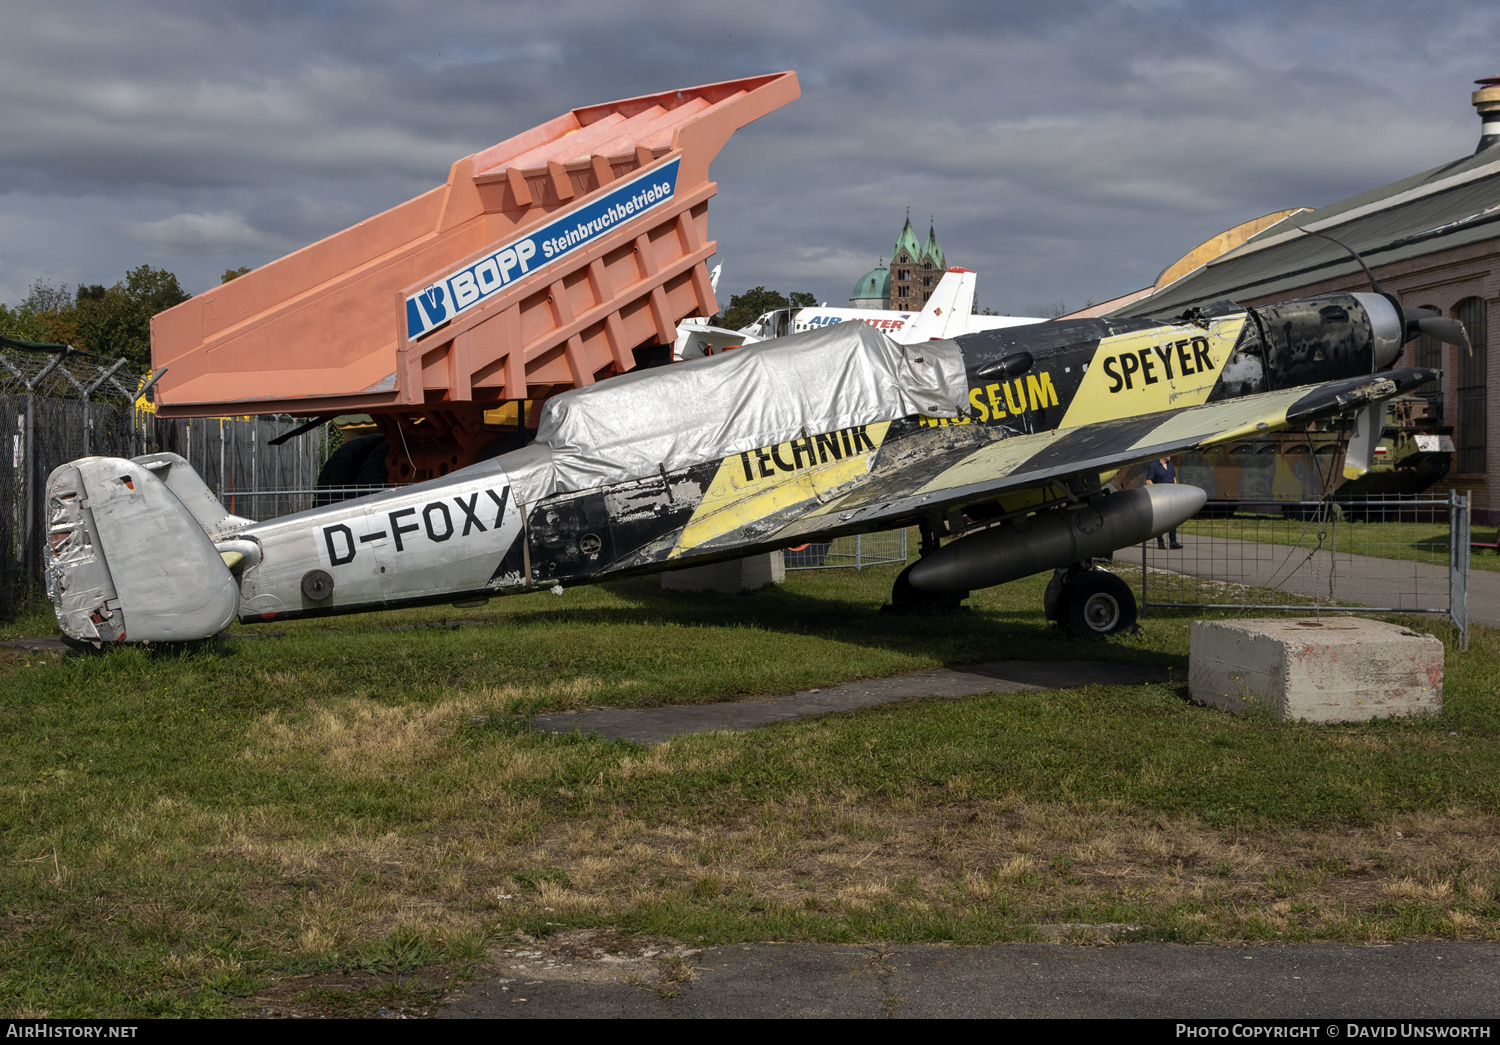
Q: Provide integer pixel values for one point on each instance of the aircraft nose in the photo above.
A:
(1388, 325)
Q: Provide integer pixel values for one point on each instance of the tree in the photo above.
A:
(48, 314)
(23, 326)
(44, 297)
(233, 274)
(110, 324)
(153, 289)
(108, 321)
(116, 321)
(746, 308)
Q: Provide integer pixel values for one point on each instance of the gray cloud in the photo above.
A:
(1065, 150)
(196, 233)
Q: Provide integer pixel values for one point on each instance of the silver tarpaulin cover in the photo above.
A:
(689, 413)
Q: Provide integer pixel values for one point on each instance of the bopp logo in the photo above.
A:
(462, 290)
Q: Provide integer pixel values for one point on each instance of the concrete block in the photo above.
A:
(729, 576)
(1333, 669)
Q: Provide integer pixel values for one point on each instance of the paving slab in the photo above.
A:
(1444, 981)
(1425, 980)
(656, 725)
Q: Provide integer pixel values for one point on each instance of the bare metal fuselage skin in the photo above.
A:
(1048, 408)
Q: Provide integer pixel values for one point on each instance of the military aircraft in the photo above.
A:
(994, 443)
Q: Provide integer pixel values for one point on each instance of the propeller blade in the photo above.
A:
(1435, 324)
(1448, 331)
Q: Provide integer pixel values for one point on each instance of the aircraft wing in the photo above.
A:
(908, 482)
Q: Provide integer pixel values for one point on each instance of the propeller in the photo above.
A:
(1415, 321)
(1435, 324)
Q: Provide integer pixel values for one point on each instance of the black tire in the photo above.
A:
(359, 462)
(1096, 603)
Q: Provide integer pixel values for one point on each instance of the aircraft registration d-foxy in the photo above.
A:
(996, 440)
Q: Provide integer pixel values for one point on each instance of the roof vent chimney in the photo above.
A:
(1487, 101)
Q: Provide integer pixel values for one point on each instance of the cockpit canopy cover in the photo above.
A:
(851, 374)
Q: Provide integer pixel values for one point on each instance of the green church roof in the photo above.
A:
(933, 249)
(908, 240)
(873, 284)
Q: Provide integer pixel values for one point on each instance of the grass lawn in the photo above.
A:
(346, 812)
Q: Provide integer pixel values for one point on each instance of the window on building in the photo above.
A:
(926, 281)
(1469, 432)
(1429, 353)
(904, 275)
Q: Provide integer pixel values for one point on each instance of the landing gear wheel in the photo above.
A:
(1096, 603)
(359, 462)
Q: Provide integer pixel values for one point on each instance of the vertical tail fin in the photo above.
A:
(946, 313)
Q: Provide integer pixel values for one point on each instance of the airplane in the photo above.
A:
(993, 443)
(696, 337)
(948, 313)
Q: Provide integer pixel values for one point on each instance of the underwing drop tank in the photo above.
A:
(1050, 539)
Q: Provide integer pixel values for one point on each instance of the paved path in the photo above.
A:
(1360, 579)
(1445, 981)
(655, 725)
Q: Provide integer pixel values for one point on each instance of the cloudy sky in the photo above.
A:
(1067, 151)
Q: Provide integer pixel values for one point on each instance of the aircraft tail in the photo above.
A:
(947, 312)
(129, 551)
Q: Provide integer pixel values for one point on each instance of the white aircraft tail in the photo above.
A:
(947, 312)
(129, 551)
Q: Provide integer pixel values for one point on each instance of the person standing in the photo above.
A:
(1162, 470)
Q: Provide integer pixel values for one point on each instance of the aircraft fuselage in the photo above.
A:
(1046, 408)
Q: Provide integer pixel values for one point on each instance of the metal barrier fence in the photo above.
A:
(261, 505)
(1397, 555)
(859, 551)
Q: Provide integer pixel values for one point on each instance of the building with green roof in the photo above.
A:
(915, 269)
(873, 289)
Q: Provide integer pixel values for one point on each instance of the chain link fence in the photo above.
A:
(1399, 555)
(857, 552)
(275, 502)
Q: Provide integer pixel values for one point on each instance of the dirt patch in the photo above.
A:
(1043, 865)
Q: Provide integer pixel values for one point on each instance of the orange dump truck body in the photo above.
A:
(541, 265)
